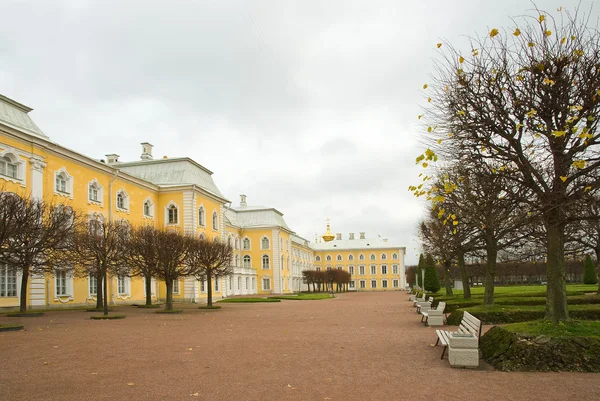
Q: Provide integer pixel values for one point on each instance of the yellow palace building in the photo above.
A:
(178, 193)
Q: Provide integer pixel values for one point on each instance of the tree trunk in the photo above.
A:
(556, 290)
(598, 267)
(447, 283)
(169, 305)
(148, 283)
(464, 275)
(23, 299)
(99, 291)
(490, 269)
(105, 289)
(209, 290)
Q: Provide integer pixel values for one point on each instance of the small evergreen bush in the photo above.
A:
(589, 271)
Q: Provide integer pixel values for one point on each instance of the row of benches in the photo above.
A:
(462, 345)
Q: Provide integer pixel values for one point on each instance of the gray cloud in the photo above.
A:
(307, 106)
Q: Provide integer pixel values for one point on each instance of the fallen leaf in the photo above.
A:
(189, 349)
(94, 373)
(47, 363)
(55, 347)
(131, 384)
(194, 395)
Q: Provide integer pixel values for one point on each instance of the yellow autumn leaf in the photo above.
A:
(439, 45)
(441, 213)
(453, 216)
(455, 222)
(425, 165)
(573, 37)
(461, 113)
(420, 116)
(558, 134)
(454, 231)
(542, 17)
(578, 52)
(588, 188)
(428, 100)
(563, 40)
(563, 178)
(493, 32)
(559, 9)
(439, 141)
(580, 164)
(530, 44)
(517, 32)
(459, 71)
(531, 113)
(461, 59)
(425, 86)
(548, 32)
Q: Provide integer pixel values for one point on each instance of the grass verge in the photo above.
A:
(209, 307)
(25, 314)
(170, 311)
(248, 300)
(107, 317)
(574, 328)
(303, 297)
(11, 327)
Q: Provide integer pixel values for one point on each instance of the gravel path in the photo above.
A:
(366, 346)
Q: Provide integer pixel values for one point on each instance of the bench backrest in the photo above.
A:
(441, 306)
(470, 324)
(430, 299)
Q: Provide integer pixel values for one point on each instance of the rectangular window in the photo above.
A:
(352, 284)
(373, 283)
(351, 270)
(253, 283)
(395, 283)
(383, 269)
(93, 193)
(8, 282)
(394, 269)
(202, 286)
(373, 270)
(361, 270)
(266, 283)
(60, 277)
(363, 284)
(175, 286)
(216, 285)
(384, 284)
(61, 184)
(93, 285)
(121, 287)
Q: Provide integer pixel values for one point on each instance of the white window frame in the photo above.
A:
(262, 243)
(373, 283)
(99, 193)
(383, 256)
(215, 221)
(268, 281)
(66, 287)
(384, 283)
(361, 270)
(17, 162)
(351, 258)
(328, 258)
(395, 283)
(395, 256)
(9, 281)
(148, 202)
(373, 257)
(352, 284)
(373, 270)
(247, 261)
(216, 285)
(362, 284)
(246, 241)
(394, 269)
(351, 270)
(172, 206)
(318, 258)
(68, 179)
(201, 216)
(176, 287)
(125, 197)
(92, 283)
(361, 257)
(339, 258)
(268, 264)
(384, 269)
(123, 283)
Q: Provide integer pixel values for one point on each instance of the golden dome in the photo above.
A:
(328, 236)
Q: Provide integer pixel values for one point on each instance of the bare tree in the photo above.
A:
(37, 236)
(99, 250)
(528, 99)
(141, 254)
(172, 248)
(207, 260)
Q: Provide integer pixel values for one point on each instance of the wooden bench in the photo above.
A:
(438, 315)
(468, 324)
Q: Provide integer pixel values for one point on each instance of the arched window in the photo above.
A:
(394, 256)
(94, 192)
(202, 236)
(148, 208)
(247, 261)
(172, 217)
(350, 257)
(372, 256)
(265, 262)
(318, 258)
(122, 200)
(7, 167)
(215, 221)
(201, 216)
(61, 183)
(383, 256)
(246, 244)
(328, 258)
(339, 258)
(361, 257)
(264, 243)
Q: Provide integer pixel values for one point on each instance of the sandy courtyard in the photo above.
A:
(366, 346)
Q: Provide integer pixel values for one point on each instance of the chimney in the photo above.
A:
(385, 240)
(146, 151)
(362, 235)
(112, 158)
(338, 236)
(243, 201)
(351, 236)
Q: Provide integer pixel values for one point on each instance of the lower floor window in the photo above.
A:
(216, 285)
(8, 282)
(266, 283)
(384, 284)
(202, 286)
(373, 283)
(60, 277)
(175, 286)
(363, 284)
(93, 285)
(121, 288)
(395, 283)
(352, 284)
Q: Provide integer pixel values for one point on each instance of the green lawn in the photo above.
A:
(569, 329)
(248, 300)
(527, 290)
(303, 297)
(511, 308)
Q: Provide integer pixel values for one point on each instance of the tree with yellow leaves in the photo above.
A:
(531, 102)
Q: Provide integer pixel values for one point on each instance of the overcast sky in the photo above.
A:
(306, 106)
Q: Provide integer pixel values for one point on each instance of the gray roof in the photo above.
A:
(172, 172)
(15, 115)
(301, 241)
(354, 244)
(256, 217)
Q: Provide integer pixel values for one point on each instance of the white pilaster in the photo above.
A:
(37, 282)
(276, 262)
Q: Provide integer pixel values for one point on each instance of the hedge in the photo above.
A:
(513, 314)
(517, 352)
(454, 304)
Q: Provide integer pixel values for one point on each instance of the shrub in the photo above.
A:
(514, 314)
(11, 327)
(589, 271)
(170, 311)
(209, 307)
(25, 314)
(432, 281)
